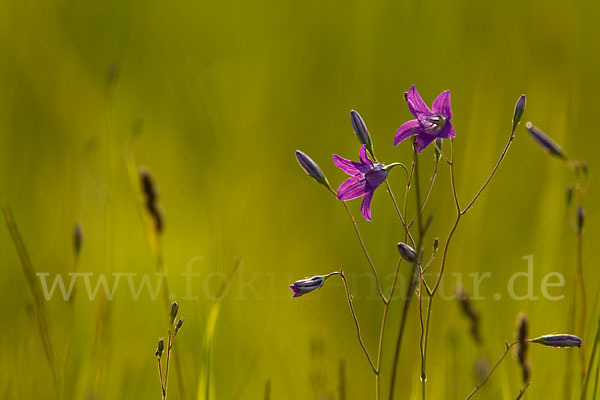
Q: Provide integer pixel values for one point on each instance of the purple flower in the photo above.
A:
(365, 177)
(558, 340)
(428, 125)
(304, 286)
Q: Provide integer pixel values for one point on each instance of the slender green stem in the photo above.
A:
(583, 310)
(162, 382)
(360, 340)
(591, 361)
(508, 347)
(402, 220)
(422, 207)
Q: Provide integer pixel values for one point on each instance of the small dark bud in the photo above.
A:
(178, 326)
(407, 252)
(361, 130)
(580, 217)
(519, 109)
(160, 348)
(436, 245)
(569, 195)
(584, 169)
(174, 309)
(558, 340)
(311, 168)
(77, 238)
(148, 185)
(545, 142)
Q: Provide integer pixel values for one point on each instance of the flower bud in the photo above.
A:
(361, 130)
(307, 285)
(580, 217)
(545, 142)
(77, 238)
(558, 340)
(436, 244)
(311, 168)
(519, 109)
(160, 348)
(569, 194)
(174, 309)
(407, 252)
(178, 326)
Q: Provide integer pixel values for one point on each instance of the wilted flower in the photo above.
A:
(366, 177)
(311, 168)
(307, 285)
(545, 142)
(407, 252)
(428, 125)
(361, 130)
(558, 340)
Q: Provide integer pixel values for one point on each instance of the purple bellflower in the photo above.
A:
(428, 125)
(558, 340)
(366, 176)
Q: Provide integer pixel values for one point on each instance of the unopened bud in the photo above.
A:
(580, 217)
(77, 238)
(558, 340)
(174, 309)
(407, 252)
(311, 168)
(545, 142)
(436, 244)
(569, 194)
(160, 348)
(179, 323)
(519, 109)
(361, 130)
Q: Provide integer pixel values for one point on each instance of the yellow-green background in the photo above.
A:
(222, 94)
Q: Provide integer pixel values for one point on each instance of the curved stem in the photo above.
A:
(508, 346)
(402, 220)
(360, 340)
(422, 207)
(363, 246)
(512, 136)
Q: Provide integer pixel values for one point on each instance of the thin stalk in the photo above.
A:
(169, 345)
(591, 361)
(583, 298)
(504, 152)
(360, 340)
(522, 392)
(422, 207)
(162, 382)
(508, 347)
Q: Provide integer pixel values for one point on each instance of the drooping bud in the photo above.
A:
(179, 323)
(519, 109)
(361, 130)
(311, 168)
(160, 348)
(174, 309)
(559, 340)
(569, 195)
(77, 238)
(545, 142)
(307, 285)
(407, 252)
(580, 217)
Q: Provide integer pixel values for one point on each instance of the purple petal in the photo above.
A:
(447, 131)
(349, 167)
(374, 179)
(441, 105)
(351, 188)
(365, 207)
(408, 129)
(423, 141)
(416, 105)
(364, 159)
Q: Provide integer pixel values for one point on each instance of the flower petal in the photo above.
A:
(447, 131)
(351, 188)
(441, 105)
(408, 129)
(374, 179)
(364, 159)
(423, 141)
(349, 167)
(416, 105)
(365, 207)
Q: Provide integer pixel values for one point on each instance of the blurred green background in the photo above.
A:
(216, 97)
